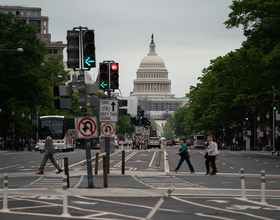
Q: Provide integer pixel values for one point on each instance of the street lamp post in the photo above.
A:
(258, 134)
(13, 139)
(22, 143)
(267, 117)
(15, 50)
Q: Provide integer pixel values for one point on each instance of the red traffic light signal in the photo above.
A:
(114, 84)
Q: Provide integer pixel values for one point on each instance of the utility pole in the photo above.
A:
(273, 119)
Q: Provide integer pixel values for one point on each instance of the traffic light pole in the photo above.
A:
(87, 143)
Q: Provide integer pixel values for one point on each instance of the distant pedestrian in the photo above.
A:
(49, 151)
(184, 153)
(211, 150)
(277, 145)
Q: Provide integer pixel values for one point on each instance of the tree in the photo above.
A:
(123, 126)
(20, 75)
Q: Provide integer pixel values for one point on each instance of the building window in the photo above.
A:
(45, 39)
(50, 51)
(32, 13)
(19, 12)
(55, 51)
(35, 24)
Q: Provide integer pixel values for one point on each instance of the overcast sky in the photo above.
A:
(187, 33)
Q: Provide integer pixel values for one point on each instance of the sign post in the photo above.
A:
(108, 112)
(86, 127)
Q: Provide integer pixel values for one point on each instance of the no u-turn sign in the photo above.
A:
(108, 129)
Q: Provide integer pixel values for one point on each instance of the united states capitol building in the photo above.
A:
(152, 88)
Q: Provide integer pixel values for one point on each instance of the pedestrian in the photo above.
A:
(216, 157)
(49, 151)
(211, 154)
(277, 145)
(184, 153)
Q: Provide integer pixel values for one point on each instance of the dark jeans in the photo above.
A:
(212, 160)
(187, 158)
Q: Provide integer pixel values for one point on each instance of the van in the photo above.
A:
(199, 141)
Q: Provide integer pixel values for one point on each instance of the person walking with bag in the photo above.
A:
(184, 153)
(211, 151)
(49, 151)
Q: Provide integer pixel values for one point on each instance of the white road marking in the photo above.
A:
(221, 209)
(9, 167)
(256, 160)
(152, 159)
(231, 168)
(265, 162)
(218, 201)
(224, 164)
(211, 216)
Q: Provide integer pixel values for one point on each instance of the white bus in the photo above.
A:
(199, 141)
(62, 130)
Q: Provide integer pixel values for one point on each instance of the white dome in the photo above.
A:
(152, 61)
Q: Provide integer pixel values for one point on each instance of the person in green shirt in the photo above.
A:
(184, 153)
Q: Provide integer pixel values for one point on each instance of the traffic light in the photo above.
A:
(83, 96)
(73, 49)
(144, 121)
(85, 90)
(88, 48)
(246, 116)
(142, 113)
(114, 75)
(104, 75)
(63, 91)
(274, 106)
(133, 120)
(138, 110)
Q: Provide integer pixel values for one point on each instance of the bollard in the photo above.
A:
(65, 198)
(60, 158)
(123, 162)
(159, 203)
(5, 194)
(96, 163)
(62, 162)
(243, 183)
(66, 170)
(263, 186)
(57, 159)
(105, 177)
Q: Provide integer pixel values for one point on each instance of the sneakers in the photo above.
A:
(58, 172)
(40, 172)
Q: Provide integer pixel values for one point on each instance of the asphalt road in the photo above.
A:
(133, 195)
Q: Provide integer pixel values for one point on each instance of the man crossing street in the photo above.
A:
(49, 151)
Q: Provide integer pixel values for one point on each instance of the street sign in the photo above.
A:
(86, 127)
(108, 110)
(138, 129)
(277, 117)
(108, 129)
(249, 132)
(261, 134)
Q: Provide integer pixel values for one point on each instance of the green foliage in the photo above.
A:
(168, 131)
(240, 81)
(123, 126)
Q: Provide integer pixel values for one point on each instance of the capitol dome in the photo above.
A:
(152, 76)
(152, 61)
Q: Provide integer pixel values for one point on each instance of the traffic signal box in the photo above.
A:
(114, 76)
(89, 59)
(104, 75)
(66, 92)
(73, 49)
(85, 90)
(246, 116)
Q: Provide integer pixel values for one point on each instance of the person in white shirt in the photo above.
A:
(211, 150)
(217, 152)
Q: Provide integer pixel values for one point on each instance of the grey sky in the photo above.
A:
(187, 33)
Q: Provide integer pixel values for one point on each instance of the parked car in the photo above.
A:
(177, 142)
(153, 142)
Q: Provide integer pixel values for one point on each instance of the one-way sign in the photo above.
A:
(108, 110)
